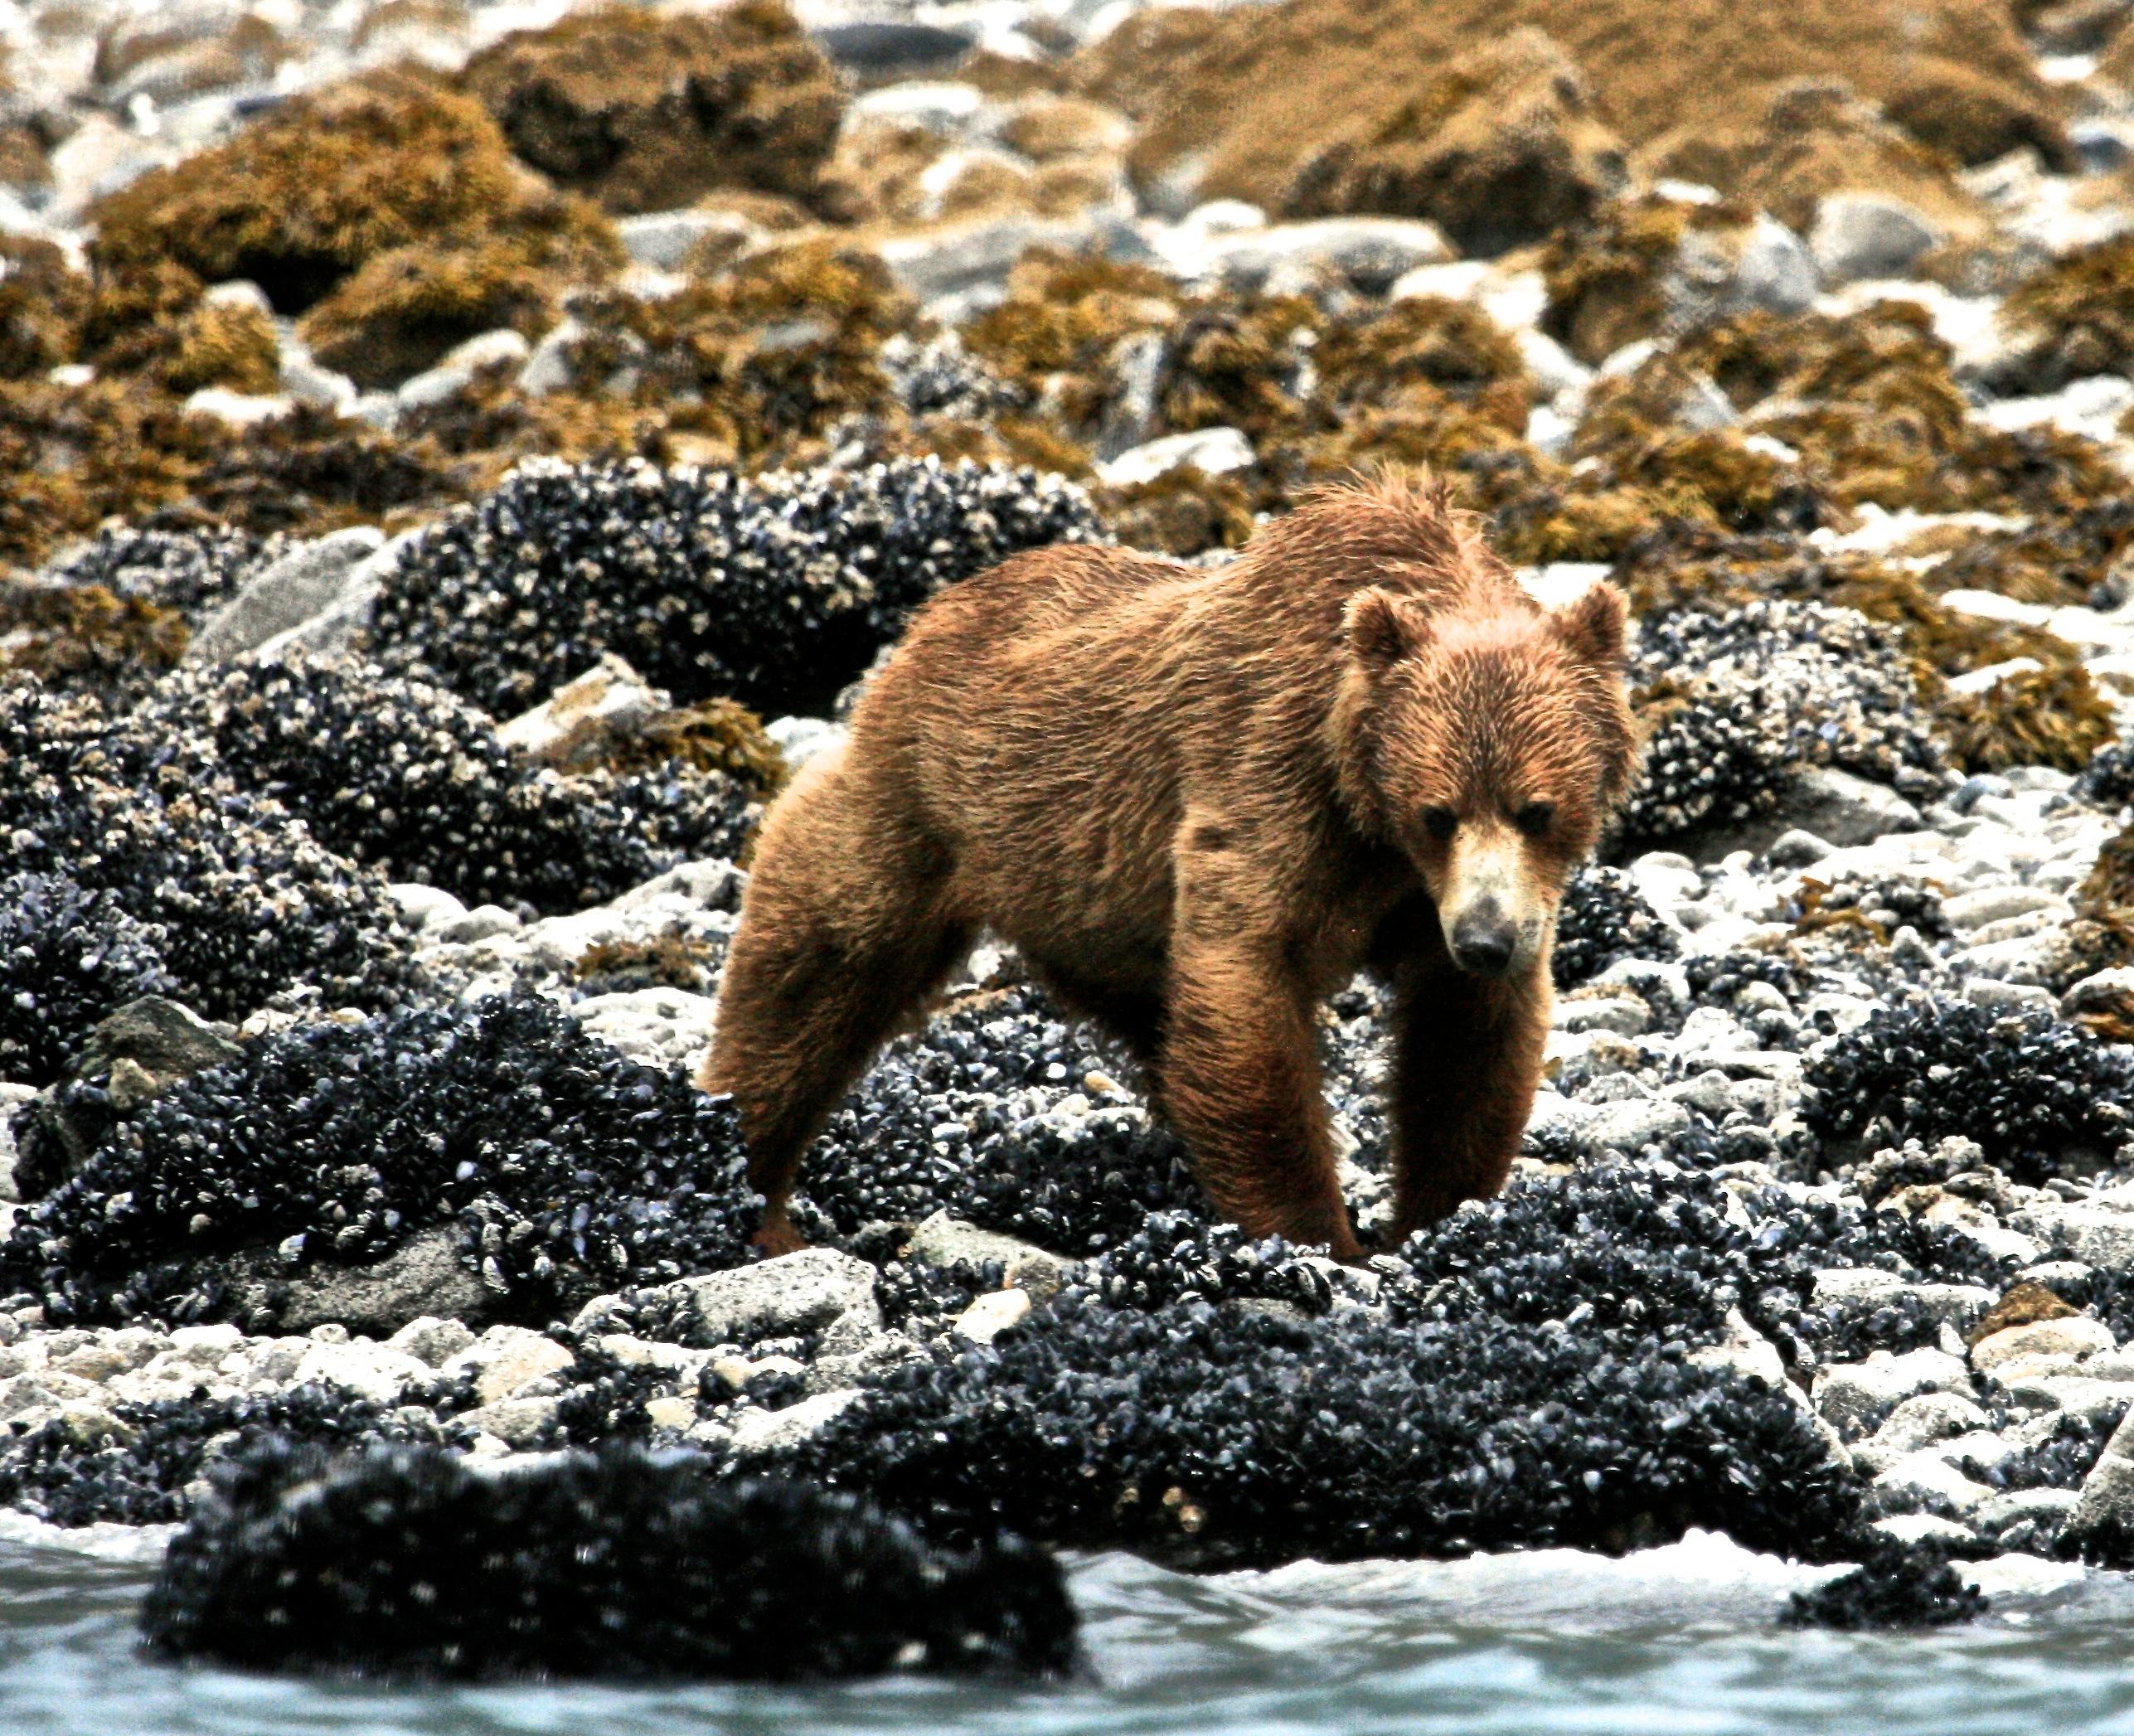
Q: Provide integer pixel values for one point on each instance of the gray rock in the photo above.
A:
(1857, 1396)
(2077, 1394)
(664, 239)
(2072, 1336)
(1214, 450)
(424, 1276)
(760, 1433)
(428, 1339)
(335, 627)
(1370, 253)
(2017, 1505)
(482, 923)
(548, 367)
(2094, 1234)
(980, 253)
(424, 907)
(1919, 1421)
(1625, 1016)
(12, 1099)
(1629, 1127)
(2107, 1499)
(1927, 1476)
(147, 1047)
(519, 1422)
(1796, 849)
(946, 1242)
(2100, 991)
(456, 371)
(1968, 910)
(1861, 236)
(795, 1293)
(1834, 806)
(311, 578)
(1773, 270)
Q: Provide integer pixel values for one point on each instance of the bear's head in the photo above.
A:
(1487, 746)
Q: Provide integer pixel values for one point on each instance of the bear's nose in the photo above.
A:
(1483, 942)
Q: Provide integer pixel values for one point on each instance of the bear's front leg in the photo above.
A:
(1240, 1084)
(1466, 1061)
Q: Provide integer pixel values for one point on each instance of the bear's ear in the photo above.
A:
(1593, 627)
(1382, 628)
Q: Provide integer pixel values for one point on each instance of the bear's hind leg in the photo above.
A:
(844, 933)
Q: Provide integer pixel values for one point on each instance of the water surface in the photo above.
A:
(1676, 1640)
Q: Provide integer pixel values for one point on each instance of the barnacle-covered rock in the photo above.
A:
(1733, 702)
(410, 1562)
(67, 958)
(1529, 1382)
(1899, 1585)
(248, 902)
(2028, 1089)
(192, 572)
(408, 778)
(1603, 917)
(775, 590)
(560, 1167)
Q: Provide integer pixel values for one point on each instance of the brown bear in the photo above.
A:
(1198, 802)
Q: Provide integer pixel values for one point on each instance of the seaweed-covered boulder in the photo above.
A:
(235, 895)
(411, 780)
(561, 1169)
(303, 196)
(647, 111)
(776, 590)
(2029, 1090)
(1500, 149)
(401, 310)
(408, 1562)
(2071, 318)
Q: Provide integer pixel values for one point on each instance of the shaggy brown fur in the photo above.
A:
(1198, 802)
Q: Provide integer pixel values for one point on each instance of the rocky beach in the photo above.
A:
(459, 461)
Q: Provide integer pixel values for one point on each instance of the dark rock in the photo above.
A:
(619, 1564)
(1899, 1585)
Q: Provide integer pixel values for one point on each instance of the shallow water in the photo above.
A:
(1677, 1640)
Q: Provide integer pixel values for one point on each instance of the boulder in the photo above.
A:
(1860, 235)
(645, 110)
(1857, 1396)
(1500, 149)
(310, 579)
(2104, 1511)
(424, 1276)
(2069, 1336)
(948, 1243)
(795, 1293)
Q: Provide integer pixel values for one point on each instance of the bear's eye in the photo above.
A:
(1536, 818)
(1440, 822)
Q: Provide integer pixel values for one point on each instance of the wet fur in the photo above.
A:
(1192, 800)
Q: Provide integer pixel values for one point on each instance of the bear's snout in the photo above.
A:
(1483, 940)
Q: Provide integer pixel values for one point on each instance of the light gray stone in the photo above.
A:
(425, 1276)
(1627, 1127)
(2107, 1499)
(759, 1433)
(2071, 1337)
(335, 626)
(795, 1293)
(519, 1422)
(1857, 1396)
(945, 1242)
(664, 239)
(1369, 252)
(1861, 235)
(432, 1339)
(1212, 450)
(1926, 1476)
